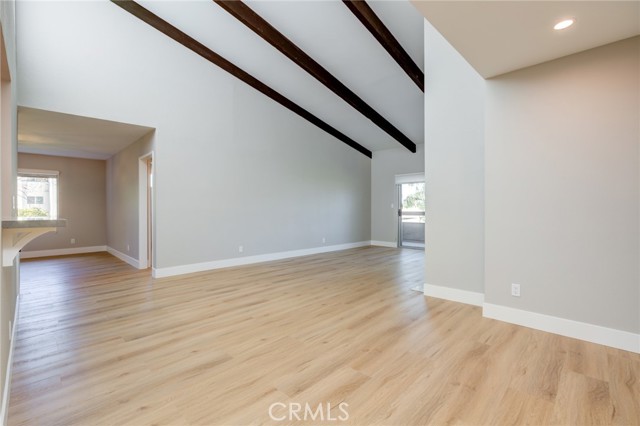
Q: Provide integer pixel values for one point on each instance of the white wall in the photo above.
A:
(385, 165)
(454, 165)
(232, 167)
(562, 190)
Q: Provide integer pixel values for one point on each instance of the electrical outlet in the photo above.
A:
(324, 240)
(240, 249)
(128, 248)
(73, 241)
(515, 290)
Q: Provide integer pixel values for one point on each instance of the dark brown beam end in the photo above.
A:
(190, 43)
(270, 34)
(376, 27)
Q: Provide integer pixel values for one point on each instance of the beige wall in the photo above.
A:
(122, 197)
(562, 190)
(82, 201)
(8, 278)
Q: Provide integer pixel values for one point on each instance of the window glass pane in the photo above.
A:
(413, 202)
(413, 196)
(38, 197)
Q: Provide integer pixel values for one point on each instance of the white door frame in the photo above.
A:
(142, 210)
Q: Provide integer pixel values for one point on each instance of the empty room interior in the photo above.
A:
(320, 212)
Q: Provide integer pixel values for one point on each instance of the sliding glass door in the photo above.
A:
(411, 215)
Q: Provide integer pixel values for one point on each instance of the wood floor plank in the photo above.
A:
(101, 343)
(582, 400)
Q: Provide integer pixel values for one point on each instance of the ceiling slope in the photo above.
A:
(169, 30)
(327, 32)
(376, 27)
(261, 27)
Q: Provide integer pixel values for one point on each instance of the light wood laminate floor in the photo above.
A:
(100, 343)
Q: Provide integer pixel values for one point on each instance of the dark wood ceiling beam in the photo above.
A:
(257, 24)
(190, 43)
(376, 27)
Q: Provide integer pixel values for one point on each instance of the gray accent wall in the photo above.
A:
(385, 165)
(562, 189)
(454, 164)
(81, 200)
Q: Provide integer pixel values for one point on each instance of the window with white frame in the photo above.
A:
(37, 194)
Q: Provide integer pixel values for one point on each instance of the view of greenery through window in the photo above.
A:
(37, 197)
(413, 200)
(413, 197)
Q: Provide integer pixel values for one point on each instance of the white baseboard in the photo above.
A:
(6, 393)
(578, 330)
(61, 252)
(454, 294)
(125, 258)
(391, 244)
(239, 261)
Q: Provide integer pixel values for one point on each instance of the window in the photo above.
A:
(412, 200)
(37, 194)
(35, 200)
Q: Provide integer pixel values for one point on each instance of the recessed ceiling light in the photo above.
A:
(563, 24)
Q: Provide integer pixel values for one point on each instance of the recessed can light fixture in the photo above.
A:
(566, 23)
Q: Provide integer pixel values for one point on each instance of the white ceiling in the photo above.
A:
(496, 37)
(54, 133)
(329, 33)
(326, 30)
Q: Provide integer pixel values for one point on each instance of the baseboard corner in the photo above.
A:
(125, 258)
(454, 294)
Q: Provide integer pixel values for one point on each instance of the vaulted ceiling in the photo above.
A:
(372, 103)
(384, 106)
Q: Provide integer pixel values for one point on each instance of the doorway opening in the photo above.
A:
(411, 215)
(145, 210)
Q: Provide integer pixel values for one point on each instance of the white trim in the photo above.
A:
(6, 393)
(565, 327)
(125, 258)
(239, 261)
(409, 178)
(454, 294)
(391, 244)
(37, 172)
(142, 209)
(61, 252)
